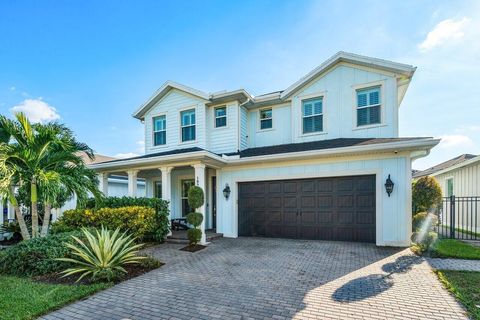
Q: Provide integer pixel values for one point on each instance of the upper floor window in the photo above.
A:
(188, 125)
(159, 130)
(312, 115)
(265, 119)
(220, 117)
(368, 106)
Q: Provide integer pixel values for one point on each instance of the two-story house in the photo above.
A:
(308, 162)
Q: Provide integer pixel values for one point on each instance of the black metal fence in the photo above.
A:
(459, 218)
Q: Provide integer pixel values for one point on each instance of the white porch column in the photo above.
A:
(132, 183)
(103, 187)
(201, 182)
(167, 190)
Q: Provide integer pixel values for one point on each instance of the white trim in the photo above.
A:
(259, 122)
(215, 117)
(194, 108)
(446, 185)
(323, 96)
(163, 114)
(364, 86)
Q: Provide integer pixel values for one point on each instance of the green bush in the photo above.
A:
(160, 206)
(139, 221)
(427, 240)
(195, 197)
(420, 219)
(194, 235)
(195, 219)
(37, 256)
(426, 194)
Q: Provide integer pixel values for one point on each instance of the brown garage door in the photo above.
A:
(340, 208)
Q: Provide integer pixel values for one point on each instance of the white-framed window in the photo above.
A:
(449, 187)
(266, 119)
(159, 130)
(369, 106)
(312, 115)
(220, 117)
(188, 125)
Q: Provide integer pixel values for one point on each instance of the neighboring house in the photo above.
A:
(459, 176)
(307, 162)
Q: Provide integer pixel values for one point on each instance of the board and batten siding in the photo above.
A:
(244, 131)
(171, 105)
(466, 181)
(280, 133)
(223, 139)
(393, 214)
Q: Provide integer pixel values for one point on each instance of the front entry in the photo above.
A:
(214, 203)
(338, 208)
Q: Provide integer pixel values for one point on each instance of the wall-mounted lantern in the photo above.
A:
(389, 185)
(226, 191)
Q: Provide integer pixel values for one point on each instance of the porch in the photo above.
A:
(168, 180)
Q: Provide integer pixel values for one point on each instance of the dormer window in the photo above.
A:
(188, 125)
(159, 130)
(266, 119)
(220, 117)
(312, 115)
(368, 106)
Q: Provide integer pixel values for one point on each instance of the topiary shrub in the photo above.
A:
(139, 221)
(196, 199)
(426, 194)
(420, 219)
(37, 256)
(423, 235)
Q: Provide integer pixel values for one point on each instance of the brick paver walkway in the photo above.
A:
(255, 278)
(454, 264)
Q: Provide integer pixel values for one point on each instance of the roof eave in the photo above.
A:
(456, 166)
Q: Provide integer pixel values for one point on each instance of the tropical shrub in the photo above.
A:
(195, 200)
(160, 206)
(37, 256)
(139, 221)
(103, 255)
(426, 194)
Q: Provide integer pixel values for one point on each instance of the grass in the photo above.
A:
(23, 298)
(465, 285)
(451, 248)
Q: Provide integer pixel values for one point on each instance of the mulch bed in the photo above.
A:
(133, 271)
(193, 248)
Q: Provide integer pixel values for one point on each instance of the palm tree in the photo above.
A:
(45, 157)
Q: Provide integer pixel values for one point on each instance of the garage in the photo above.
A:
(333, 208)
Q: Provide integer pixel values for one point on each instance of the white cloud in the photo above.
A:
(12, 88)
(444, 31)
(455, 140)
(126, 155)
(36, 110)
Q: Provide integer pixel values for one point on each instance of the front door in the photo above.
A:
(214, 203)
(186, 184)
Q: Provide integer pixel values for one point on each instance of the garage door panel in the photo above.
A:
(340, 208)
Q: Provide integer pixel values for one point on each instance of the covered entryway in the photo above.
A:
(338, 208)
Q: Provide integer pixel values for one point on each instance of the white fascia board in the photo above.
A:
(341, 56)
(457, 166)
(427, 143)
(151, 160)
(162, 91)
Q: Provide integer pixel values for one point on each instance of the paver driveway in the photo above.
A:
(276, 279)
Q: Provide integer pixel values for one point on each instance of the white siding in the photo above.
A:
(223, 139)
(280, 133)
(171, 105)
(466, 181)
(393, 213)
(244, 128)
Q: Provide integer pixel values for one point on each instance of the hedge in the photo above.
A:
(160, 206)
(142, 222)
(37, 256)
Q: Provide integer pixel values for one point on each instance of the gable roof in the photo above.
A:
(444, 165)
(98, 158)
(248, 100)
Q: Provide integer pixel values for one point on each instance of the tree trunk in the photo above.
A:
(46, 219)
(34, 209)
(19, 216)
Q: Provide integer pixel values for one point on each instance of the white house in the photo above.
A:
(307, 162)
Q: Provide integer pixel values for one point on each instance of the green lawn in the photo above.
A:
(451, 248)
(22, 298)
(465, 285)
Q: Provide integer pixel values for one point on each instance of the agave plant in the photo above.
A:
(103, 255)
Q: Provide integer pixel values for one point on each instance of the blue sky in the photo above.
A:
(90, 64)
